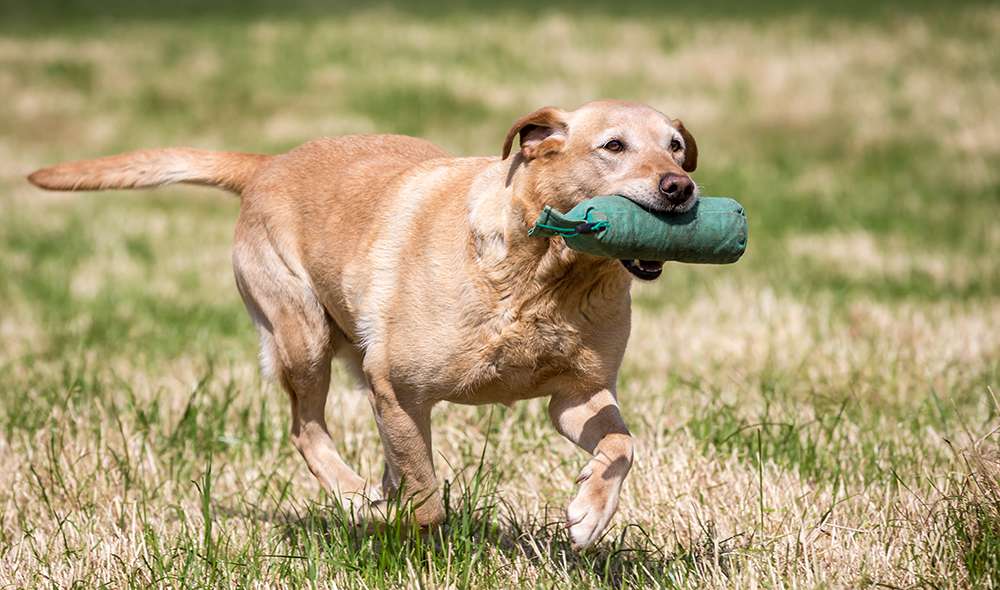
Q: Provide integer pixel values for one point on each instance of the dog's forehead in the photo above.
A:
(626, 117)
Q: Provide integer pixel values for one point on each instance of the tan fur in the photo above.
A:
(416, 269)
(147, 168)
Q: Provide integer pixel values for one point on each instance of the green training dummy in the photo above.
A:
(714, 231)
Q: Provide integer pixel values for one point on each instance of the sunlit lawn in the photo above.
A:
(820, 413)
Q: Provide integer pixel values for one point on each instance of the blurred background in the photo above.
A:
(807, 415)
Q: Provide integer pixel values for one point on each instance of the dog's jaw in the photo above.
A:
(646, 270)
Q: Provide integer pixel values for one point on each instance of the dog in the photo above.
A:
(416, 269)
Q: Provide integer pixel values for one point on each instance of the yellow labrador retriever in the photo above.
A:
(416, 268)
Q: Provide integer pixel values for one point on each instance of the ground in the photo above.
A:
(821, 413)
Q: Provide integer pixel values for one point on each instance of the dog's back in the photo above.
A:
(351, 160)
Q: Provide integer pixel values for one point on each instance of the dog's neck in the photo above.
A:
(525, 269)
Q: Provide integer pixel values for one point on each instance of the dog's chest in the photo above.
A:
(513, 356)
(532, 342)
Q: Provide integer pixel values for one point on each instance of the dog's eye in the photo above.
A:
(614, 146)
(675, 145)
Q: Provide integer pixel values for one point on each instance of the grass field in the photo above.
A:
(820, 414)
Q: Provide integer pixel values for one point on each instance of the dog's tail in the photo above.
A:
(147, 168)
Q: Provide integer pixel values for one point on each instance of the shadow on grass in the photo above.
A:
(484, 542)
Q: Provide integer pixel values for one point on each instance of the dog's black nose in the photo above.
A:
(677, 188)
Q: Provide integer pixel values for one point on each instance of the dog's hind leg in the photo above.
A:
(297, 345)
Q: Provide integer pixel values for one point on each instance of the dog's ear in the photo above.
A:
(690, 147)
(542, 132)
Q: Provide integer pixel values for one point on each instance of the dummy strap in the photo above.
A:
(553, 223)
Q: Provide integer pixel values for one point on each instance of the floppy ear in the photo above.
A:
(690, 147)
(542, 132)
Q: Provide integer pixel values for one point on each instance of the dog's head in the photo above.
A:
(606, 148)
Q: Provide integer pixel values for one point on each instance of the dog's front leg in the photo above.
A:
(405, 429)
(594, 423)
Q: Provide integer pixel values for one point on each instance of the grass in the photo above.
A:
(821, 414)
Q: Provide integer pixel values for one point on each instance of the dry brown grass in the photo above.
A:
(809, 417)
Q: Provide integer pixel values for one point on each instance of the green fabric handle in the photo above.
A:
(714, 231)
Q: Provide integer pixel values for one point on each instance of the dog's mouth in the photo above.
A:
(646, 270)
(667, 207)
(657, 205)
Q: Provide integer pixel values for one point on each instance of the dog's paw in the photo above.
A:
(372, 508)
(591, 511)
(365, 506)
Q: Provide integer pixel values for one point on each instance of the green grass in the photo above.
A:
(820, 414)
